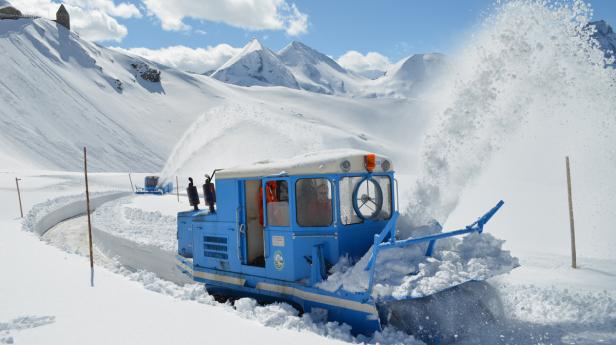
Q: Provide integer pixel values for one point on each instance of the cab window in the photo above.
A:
(277, 203)
(314, 202)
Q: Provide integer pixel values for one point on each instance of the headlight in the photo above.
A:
(345, 166)
(386, 165)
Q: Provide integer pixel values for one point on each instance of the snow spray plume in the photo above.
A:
(530, 60)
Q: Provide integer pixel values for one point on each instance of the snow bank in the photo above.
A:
(552, 305)
(135, 223)
(153, 228)
(44, 215)
(277, 315)
(407, 273)
(21, 323)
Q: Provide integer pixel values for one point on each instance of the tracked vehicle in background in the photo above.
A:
(151, 186)
(279, 227)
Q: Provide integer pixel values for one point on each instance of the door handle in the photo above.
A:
(240, 231)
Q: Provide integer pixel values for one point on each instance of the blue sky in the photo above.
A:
(394, 28)
(199, 35)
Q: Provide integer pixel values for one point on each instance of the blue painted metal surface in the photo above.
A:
(294, 258)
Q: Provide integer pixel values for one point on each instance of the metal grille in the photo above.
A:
(215, 247)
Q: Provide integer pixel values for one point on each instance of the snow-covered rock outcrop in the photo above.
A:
(256, 65)
(606, 38)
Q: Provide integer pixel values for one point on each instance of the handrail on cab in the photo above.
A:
(390, 229)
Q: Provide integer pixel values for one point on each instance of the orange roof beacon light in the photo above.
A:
(370, 161)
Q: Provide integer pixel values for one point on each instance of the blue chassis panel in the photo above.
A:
(153, 192)
(168, 188)
(357, 310)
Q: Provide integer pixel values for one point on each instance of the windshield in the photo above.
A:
(363, 197)
(314, 202)
(151, 181)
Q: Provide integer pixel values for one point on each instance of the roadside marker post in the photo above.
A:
(85, 172)
(571, 223)
(21, 210)
(131, 183)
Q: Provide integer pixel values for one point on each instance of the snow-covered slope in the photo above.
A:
(317, 72)
(272, 123)
(255, 65)
(60, 93)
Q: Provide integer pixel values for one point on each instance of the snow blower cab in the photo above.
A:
(280, 227)
(151, 185)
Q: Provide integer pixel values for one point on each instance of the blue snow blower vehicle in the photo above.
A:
(151, 186)
(280, 226)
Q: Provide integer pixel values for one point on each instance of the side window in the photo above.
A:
(347, 214)
(373, 199)
(314, 202)
(277, 199)
(385, 184)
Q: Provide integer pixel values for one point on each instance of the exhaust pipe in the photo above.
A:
(193, 195)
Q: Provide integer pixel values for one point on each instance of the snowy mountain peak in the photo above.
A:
(417, 67)
(296, 53)
(255, 65)
(316, 71)
(602, 27)
(299, 66)
(253, 45)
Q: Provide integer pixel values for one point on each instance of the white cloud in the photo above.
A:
(92, 19)
(357, 62)
(123, 10)
(246, 14)
(198, 60)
